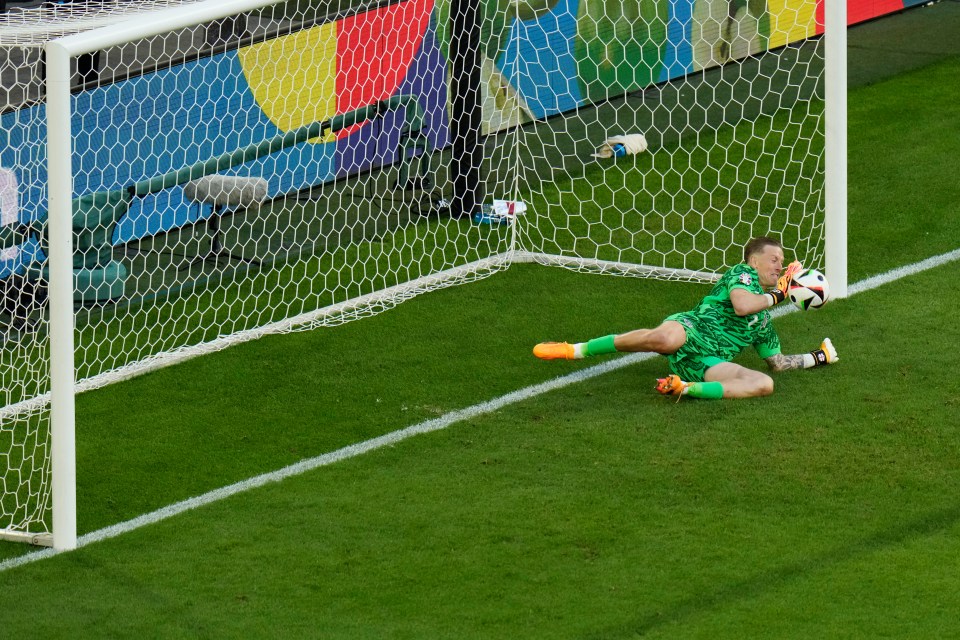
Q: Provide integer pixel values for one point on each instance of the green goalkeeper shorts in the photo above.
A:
(698, 353)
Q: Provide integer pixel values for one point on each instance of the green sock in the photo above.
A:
(599, 346)
(707, 390)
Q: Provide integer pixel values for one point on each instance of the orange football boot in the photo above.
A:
(554, 351)
(672, 385)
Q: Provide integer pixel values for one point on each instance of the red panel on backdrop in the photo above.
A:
(860, 10)
(374, 52)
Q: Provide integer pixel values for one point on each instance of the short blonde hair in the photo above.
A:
(757, 245)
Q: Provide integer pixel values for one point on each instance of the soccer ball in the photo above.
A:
(809, 289)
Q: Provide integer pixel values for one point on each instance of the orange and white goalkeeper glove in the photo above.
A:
(779, 294)
(826, 354)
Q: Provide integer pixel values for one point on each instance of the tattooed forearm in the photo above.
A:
(781, 362)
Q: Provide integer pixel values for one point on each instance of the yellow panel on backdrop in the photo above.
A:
(294, 78)
(791, 20)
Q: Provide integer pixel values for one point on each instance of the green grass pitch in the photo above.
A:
(600, 510)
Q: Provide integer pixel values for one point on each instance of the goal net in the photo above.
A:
(243, 168)
(718, 109)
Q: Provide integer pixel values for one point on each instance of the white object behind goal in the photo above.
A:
(373, 155)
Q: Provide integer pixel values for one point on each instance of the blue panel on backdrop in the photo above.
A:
(678, 54)
(539, 60)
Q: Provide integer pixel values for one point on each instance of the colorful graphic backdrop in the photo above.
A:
(151, 124)
(541, 58)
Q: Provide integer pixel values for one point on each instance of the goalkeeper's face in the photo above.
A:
(769, 264)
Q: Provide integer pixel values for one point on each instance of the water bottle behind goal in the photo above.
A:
(499, 212)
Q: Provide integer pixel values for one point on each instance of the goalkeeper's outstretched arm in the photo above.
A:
(826, 354)
(746, 303)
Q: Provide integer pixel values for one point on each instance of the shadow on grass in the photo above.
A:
(775, 578)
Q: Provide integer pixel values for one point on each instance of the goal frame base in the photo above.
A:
(36, 539)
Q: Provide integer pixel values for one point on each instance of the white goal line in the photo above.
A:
(428, 426)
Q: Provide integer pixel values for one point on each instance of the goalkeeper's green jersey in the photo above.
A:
(734, 333)
(716, 333)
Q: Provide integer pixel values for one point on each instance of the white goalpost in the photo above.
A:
(195, 174)
(835, 156)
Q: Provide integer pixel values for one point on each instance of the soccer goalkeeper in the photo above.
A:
(701, 343)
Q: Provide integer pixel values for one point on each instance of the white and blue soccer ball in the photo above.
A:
(809, 289)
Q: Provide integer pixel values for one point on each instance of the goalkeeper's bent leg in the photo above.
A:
(672, 385)
(705, 390)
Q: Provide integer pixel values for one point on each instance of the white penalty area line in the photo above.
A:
(428, 426)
